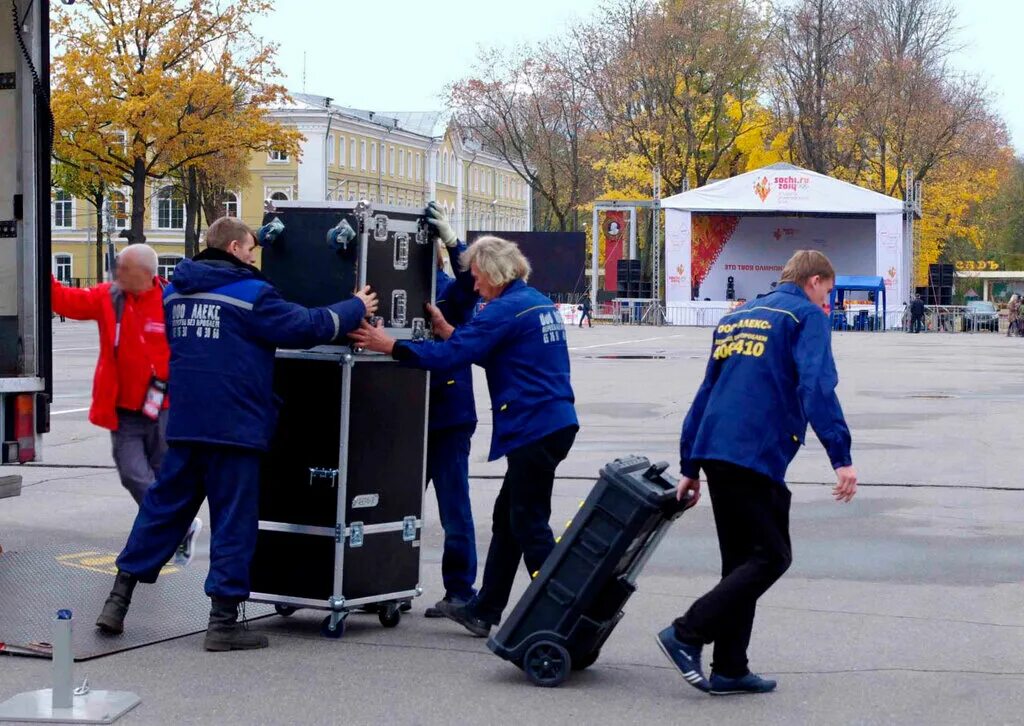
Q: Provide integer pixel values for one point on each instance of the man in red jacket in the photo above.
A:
(130, 383)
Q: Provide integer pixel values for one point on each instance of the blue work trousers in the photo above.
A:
(448, 469)
(229, 478)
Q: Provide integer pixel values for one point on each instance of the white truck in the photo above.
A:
(25, 144)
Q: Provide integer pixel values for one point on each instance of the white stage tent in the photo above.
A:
(746, 227)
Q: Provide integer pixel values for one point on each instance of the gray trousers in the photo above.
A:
(139, 445)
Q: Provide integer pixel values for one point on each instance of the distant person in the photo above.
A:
(586, 308)
(917, 314)
(771, 372)
(130, 381)
(1013, 316)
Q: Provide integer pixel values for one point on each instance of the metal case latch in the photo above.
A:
(380, 227)
(419, 329)
(422, 232)
(409, 529)
(355, 534)
(328, 475)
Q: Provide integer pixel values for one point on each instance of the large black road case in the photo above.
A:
(342, 485)
(393, 252)
(576, 600)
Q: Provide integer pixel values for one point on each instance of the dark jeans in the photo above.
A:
(229, 478)
(448, 469)
(138, 448)
(916, 324)
(752, 519)
(586, 316)
(520, 529)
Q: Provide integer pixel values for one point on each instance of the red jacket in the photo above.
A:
(123, 376)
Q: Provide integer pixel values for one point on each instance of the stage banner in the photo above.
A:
(678, 257)
(889, 258)
(613, 231)
(753, 250)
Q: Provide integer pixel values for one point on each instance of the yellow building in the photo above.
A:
(347, 154)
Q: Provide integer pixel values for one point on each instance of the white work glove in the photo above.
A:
(443, 230)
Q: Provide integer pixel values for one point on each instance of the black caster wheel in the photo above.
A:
(547, 664)
(328, 632)
(585, 661)
(285, 610)
(406, 606)
(390, 616)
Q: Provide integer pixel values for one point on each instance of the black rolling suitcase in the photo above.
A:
(576, 600)
(342, 486)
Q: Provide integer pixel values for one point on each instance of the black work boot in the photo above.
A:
(225, 632)
(111, 619)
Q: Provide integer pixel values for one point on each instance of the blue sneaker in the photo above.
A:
(750, 683)
(685, 657)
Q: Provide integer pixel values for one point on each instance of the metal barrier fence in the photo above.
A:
(938, 319)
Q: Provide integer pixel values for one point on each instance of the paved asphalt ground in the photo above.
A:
(905, 606)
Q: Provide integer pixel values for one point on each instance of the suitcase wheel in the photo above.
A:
(585, 661)
(285, 610)
(390, 616)
(547, 664)
(332, 630)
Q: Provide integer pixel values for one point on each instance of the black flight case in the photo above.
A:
(576, 600)
(342, 485)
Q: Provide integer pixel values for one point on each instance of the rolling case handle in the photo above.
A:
(668, 497)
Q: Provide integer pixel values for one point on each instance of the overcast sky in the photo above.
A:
(397, 55)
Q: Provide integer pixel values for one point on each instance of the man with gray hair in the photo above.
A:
(130, 383)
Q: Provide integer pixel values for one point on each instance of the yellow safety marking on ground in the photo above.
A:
(102, 562)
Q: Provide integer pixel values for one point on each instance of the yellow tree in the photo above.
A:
(145, 88)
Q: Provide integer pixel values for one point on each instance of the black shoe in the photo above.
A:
(225, 632)
(437, 610)
(465, 617)
(111, 619)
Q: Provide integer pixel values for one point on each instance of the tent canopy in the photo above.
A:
(866, 283)
(782, 188)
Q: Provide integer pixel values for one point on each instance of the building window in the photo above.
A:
(170, 209)
(352, 152)
(63, 210)
(119, 209)
(330, 148)
(401, 162)
(231, 205)
(276, 156)
(362, 151)
(165, 265)
(391, 160)
(373, 157)
(341, 152)
(62, 268)
(279, 197)
(416, 169)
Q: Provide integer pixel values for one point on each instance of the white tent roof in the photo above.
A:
(782, 188)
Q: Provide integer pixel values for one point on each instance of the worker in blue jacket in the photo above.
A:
(519, 339)
(224, 322)
(770, 372)
(451, 425)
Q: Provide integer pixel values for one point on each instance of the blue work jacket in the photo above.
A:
(451, 392)
(519, 340)
(770, 372)
(224, 321)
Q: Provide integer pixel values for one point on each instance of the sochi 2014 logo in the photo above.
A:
(763, 188)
